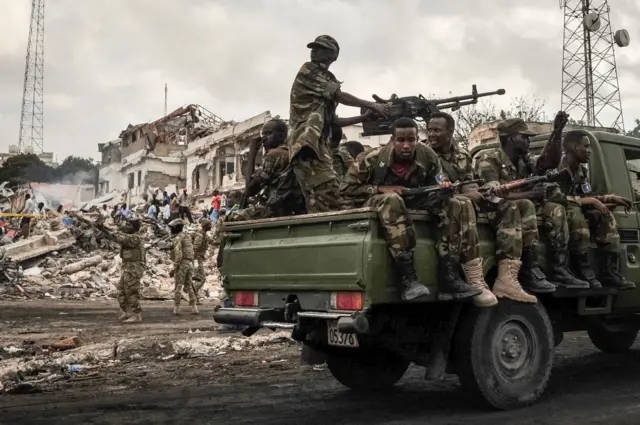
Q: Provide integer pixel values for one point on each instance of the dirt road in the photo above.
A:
(266, 385)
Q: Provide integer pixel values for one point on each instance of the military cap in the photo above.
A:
(176, 222)
(205, 221)
(325, 41)
(514, 126)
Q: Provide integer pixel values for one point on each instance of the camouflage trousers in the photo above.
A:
(317, 179)
(128, 287)
(252, 212)
(506, 221)
(554, 224)
(584, 222)
(457, 224)
(199, 276)
(184, 279)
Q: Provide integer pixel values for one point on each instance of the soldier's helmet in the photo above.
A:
(514, 126)
(325, 41)
(176, 224)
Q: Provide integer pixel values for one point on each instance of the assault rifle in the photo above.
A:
(552, 176)
(417, 191)
(418, 108)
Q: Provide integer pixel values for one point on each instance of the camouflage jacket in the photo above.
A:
(312, 107)
(182, 248)
(131, 250)
(373, 169)
(579, 186)
(200, 243)
(342, 160)
(457, 165)
(280, 191)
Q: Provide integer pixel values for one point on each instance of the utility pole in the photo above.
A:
(166, 90)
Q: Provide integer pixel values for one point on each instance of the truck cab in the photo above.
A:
(329, 279)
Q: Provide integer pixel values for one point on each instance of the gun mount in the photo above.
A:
(418, 108)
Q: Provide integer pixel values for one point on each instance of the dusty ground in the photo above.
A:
(264, 384)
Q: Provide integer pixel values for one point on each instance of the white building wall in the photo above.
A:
(111, 174)
(167, 165)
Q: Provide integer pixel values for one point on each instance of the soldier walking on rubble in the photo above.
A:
(200, 246)
(504, 217)
(378, 179)
(182, 256)
(512, 161)
(315, 94)
(133, 263)
(587, 210)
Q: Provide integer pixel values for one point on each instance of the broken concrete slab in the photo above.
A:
(36, 246)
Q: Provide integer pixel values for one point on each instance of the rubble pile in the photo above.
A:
(79, 263)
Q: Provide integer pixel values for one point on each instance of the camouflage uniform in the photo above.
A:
(132, 254)
(280, 193)
(200, 246)
(311, 111)
(342, 160)
(182, 256)
(505, 218)
(457, 220)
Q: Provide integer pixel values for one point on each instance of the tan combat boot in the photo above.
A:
(123, 314)
(176, 310)
(194, 309)
(137, 317)
(475, 277)
(507, 285)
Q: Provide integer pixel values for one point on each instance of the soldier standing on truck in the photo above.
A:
(315, 94)
(378, 179)
(587, 210)
(274, 179)
(504, 217)
(511, 161)
(182, 256)
(200, 246)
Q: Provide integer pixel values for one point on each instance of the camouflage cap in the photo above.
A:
(514, 126)
(325, 41)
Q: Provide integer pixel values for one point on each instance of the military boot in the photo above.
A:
(474, 273)
(580, 264)
(507, 285)
(531, 276)
(610, 275)
(194, 309)
(176, 310)
(137, 317)
(452, 286)
(123, 314)
(560, 274)
(411, 288)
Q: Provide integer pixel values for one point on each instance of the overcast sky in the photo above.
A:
(106, 61)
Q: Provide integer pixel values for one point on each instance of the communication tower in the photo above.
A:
(590, 91)
(31, 118)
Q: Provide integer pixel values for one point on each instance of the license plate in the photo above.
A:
(340, 339)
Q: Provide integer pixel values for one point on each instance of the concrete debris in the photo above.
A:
(82, 264)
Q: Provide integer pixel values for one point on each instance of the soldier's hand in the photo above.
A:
(560, 120)
(446, 185)
(500, 191)
(595, 203)
(367, 115)
(391, 189)
(380, 108)
(538, 192)
(622, 201)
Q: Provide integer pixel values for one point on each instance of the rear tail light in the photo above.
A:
(246, 299)
(346, 301)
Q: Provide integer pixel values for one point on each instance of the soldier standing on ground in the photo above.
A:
(315, 94)
(133, 262)
(504, 217)
(378, 178)
(182, 256)
(200, 246)
(512, 161)
(587, 210)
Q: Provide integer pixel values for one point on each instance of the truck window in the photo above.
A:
(632, 158)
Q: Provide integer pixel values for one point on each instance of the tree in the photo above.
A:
(635, 132)
(24, 168)
(76, 170)
(529, 108)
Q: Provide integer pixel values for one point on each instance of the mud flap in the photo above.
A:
(442, 338)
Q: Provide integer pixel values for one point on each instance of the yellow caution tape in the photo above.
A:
(20, 215)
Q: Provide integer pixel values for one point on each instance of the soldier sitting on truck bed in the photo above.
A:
(274, 181)
(344, 154)
(511, 161)
(588, 210)
(504, 217)
(378, 178)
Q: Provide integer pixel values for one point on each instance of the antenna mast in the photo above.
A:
(165, 99)
(31, 117)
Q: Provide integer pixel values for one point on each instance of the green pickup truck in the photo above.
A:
(329, 278)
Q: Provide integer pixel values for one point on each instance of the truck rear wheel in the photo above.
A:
(612, 338)
(366, 370)
(505, 354)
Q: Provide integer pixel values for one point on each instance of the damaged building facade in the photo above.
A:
(149, 156)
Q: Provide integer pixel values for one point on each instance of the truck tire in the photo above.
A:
(367, 370)
(505, 354)
(610, 338)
